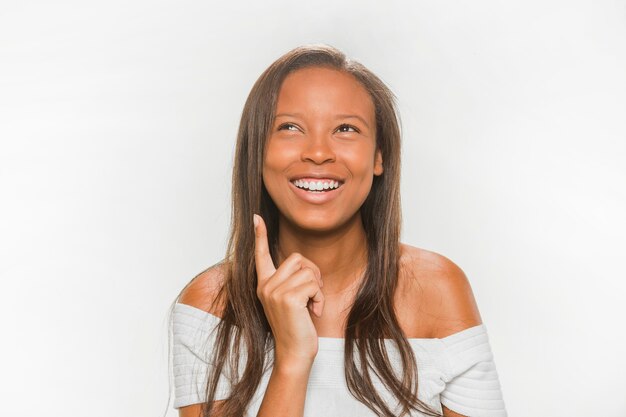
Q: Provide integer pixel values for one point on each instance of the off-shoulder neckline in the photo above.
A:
(479, 328)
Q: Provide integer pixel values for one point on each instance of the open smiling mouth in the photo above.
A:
(320, 186)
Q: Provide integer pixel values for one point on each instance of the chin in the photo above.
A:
(317, 222)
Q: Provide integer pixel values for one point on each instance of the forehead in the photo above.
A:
(325, 90)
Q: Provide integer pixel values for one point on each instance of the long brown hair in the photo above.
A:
(372, 317)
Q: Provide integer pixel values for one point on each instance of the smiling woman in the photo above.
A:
(317, 308)
(321, 137)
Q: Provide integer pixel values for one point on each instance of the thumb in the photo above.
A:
(264, 265)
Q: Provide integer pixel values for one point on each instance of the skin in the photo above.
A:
(325, 124)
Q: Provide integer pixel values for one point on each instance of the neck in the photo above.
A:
(341, 255)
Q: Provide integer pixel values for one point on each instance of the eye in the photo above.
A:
(347, 128)
(288, 126)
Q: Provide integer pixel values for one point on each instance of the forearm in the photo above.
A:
(286, 391)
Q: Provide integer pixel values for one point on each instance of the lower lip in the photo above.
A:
(316, 197)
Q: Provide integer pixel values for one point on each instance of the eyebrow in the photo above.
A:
(339, 116)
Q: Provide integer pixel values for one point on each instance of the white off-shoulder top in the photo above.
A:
(457, 371)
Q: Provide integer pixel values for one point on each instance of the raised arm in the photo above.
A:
(288, 295)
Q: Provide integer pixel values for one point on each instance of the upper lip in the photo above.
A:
(316, 175)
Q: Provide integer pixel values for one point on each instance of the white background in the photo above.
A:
(117, 129)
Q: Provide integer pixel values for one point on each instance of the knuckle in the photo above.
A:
(274, 297)
(296, 256)
(266, 293)
(313, 267)
(310, 274)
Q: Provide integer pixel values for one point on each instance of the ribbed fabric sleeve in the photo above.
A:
(194, 338)
(472, 383)
(457, 371)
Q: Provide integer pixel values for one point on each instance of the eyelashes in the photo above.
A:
(288, 126)
(347, 126)
(342, 128)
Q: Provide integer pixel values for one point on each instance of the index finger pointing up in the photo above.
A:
(264, 265)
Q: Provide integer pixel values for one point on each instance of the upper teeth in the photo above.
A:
(316, 185)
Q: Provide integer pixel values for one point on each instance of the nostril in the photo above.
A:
(318, 154)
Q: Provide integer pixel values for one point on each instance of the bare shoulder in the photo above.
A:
(445, 296)
(204, 291)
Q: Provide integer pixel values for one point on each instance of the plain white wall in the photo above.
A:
(117, 127)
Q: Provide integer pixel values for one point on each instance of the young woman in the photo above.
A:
(317, 308)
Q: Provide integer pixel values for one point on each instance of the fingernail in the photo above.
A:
(255, 219)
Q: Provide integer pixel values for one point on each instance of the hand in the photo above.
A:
(287, 294)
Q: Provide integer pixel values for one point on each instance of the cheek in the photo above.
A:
(360, 160)
(279, 152)
(277, 159)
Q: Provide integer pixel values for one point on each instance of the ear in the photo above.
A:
(378, 163)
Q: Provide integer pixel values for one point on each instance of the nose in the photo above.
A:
(318, 149)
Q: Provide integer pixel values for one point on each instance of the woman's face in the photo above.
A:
(323, 136)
